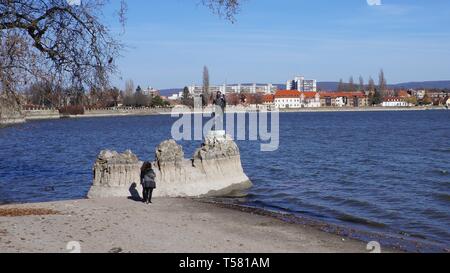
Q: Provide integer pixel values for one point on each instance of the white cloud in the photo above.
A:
(374, 2)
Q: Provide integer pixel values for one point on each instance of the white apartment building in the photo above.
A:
(419, 94)
(395, 102)
(150, 91)
(340, 102)
(236, 88)
(177, 96)
(310, 100)
(287, 99)
(301, 84)
(309, 86)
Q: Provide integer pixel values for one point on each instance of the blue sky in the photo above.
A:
(169, 41)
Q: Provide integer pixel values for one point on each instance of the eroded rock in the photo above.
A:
(116, 175)
(214, 170)
(169, 153)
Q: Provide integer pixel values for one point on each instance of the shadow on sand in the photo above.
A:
(134, 193)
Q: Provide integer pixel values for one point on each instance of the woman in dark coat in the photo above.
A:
(148, 183)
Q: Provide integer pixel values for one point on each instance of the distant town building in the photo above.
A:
(310, 100)
(287, 99)
(436, 95)
(343, 99)
(296, 99)
(395, 102)
(301, 84)
(236, 88)
(447, 102)
(269, 99)
(176, 96)
(195, 89)
(419, 94)
(152, 92)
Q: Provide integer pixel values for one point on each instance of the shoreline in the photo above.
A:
(168, 226)
(45, 115)
(393, 242)
(152, 112)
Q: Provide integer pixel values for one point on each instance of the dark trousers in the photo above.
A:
(147, 194)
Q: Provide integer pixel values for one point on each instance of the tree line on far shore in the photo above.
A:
(378, 92)
(375, 93)
(44, 94)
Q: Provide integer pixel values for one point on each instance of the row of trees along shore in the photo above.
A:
(376, 93)
(136, 97)
(64, 50)
(45, 95)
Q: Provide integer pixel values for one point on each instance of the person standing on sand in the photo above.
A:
(148, 183)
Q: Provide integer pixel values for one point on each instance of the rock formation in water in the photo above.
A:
(116, 175)
(215, 170)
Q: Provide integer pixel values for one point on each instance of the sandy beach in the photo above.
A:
(167, 226)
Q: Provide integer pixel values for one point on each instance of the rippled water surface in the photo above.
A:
(388, 171)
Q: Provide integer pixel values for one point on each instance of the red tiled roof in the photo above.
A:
(295, 94)
(403, 93)
(342, 94)
(269, 98)
(309, 94)
(393, 99)
(287, 94)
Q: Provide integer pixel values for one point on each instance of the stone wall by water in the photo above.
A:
(41, 114)
(214, 170)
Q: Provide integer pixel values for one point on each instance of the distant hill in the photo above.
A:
(327, 86)
(170, 92)
(333, 86)
(424, 85)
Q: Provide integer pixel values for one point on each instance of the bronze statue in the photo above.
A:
(219, 111)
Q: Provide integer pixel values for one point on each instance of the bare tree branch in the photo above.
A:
(59, 40)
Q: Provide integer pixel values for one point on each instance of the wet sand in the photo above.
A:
(167, 226)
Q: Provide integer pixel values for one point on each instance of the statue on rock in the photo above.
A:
(219, 111)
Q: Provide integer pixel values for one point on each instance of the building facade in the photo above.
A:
(152, 92)
(343, 99)
(301, 84)
(296, 99)
(236, 88)
(287, 99)
(310, 100)
(395, 102)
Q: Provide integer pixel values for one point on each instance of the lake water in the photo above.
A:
(382, 171)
